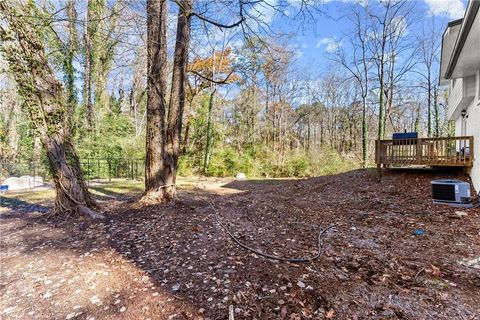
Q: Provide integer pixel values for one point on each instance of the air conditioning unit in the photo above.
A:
(453, 192)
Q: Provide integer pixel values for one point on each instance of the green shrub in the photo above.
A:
(226, 161)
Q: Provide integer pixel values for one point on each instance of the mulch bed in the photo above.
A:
(176, 262)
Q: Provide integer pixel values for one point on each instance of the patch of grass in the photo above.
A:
(31, 196)
(113, 188)
(117, 187)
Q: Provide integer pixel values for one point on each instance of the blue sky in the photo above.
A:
(313, 42)
(322, 35)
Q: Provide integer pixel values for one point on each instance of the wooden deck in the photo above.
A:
(446, 151)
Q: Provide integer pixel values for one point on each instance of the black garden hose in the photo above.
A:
(269, 256)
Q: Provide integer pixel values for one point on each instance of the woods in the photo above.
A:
(211, 95)
(240, 159)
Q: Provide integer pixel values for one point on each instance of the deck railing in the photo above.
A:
(445, 151)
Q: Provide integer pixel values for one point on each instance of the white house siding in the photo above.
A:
(458, 127)
(460, 69)
(473, 129)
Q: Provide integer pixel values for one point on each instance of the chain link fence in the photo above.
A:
(19, 169)
(93, 169)
(112, 168)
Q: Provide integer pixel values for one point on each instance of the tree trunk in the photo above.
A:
(308, 133)
(102, 21)
(381, 114)
(381, 75)
(322, 132)
(87, 93)
(72, 195)
(208, 147)
(388, 108)
(155, 185)
(101, 97)
(69, 55)
(45, 102)
(99, 39)
(417, 119)
(177, 100)
(186, 137)
(429, 110)
(364, 133)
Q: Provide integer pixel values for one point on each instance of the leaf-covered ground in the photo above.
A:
(176, 262)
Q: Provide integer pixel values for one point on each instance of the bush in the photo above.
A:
(227, 161)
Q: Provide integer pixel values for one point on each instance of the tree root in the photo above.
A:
(84, 210)
(162, 195)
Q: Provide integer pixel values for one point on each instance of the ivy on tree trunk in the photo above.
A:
(45, 101)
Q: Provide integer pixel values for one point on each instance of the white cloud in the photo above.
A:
(298, 3)
(453, 8)
(265, 10)
(400, 26)
(262, 14)
(295, 3)
(331, 45)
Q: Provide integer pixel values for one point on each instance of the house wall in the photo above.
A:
(473, 129)
(459, 127)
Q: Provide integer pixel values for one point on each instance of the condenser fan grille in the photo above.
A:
(443, 192)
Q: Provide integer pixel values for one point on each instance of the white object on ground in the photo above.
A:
(473, 263)
(461, 213)
(24, 182)
(241, 176)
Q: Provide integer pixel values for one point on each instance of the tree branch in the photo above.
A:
(224, 81)
(218, 24)
(215, 23)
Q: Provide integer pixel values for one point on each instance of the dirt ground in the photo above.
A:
(176, 262)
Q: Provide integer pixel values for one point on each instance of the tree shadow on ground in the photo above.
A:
(370, 267)
(106, 194)
(254, 184)
(17, 205)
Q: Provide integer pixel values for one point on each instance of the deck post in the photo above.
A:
(419, 151)
(377, 151)
(471, 153)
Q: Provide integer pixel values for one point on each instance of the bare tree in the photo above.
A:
(429, 50)
(388, 21)
(358, 64)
